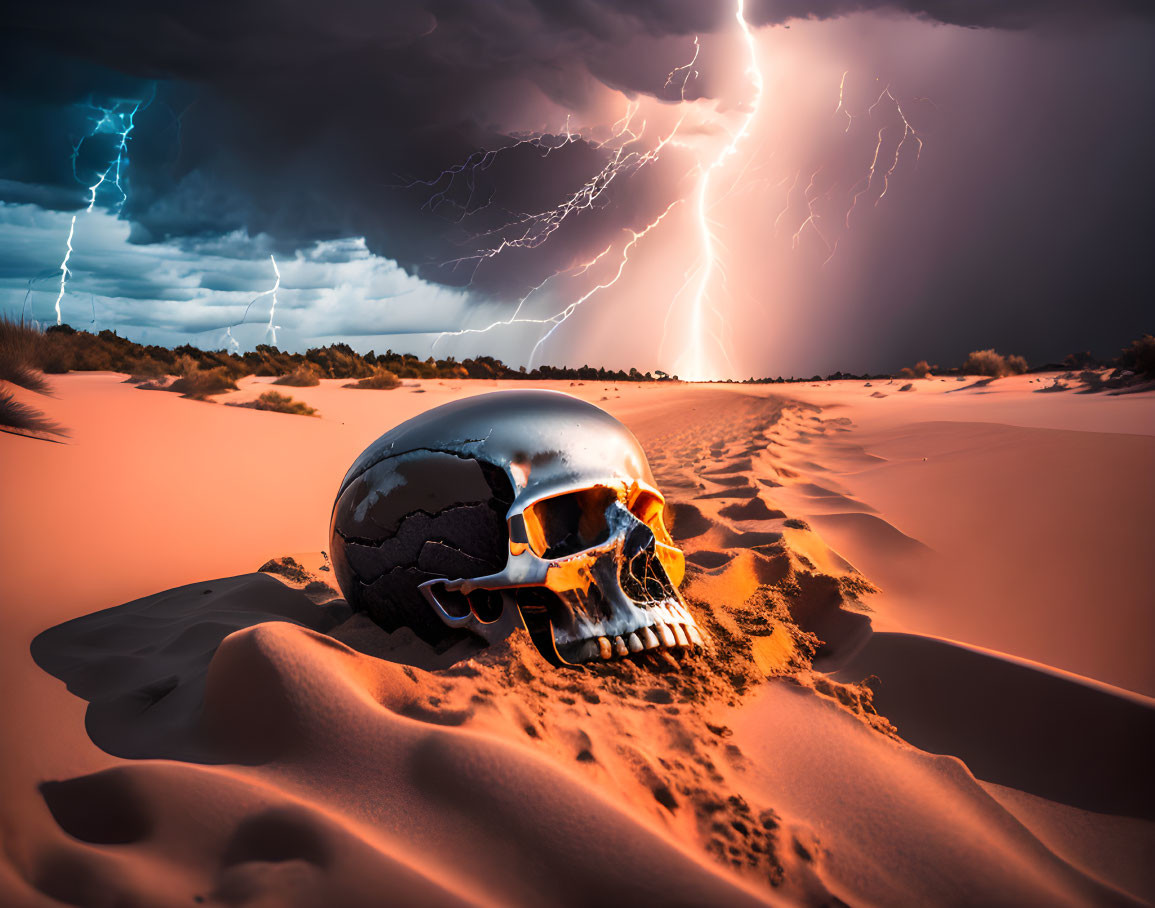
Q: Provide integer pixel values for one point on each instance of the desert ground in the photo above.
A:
(929, 677)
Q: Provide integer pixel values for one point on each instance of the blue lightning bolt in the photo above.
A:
(117, 120)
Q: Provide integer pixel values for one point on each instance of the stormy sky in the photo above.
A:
(877, 184)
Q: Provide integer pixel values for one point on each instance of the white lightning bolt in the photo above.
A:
(64, 272)
(841, 108)
(687, 69)
(537, 227)
(908, 133)
(516, 318)
(272, 291)
(541, 225)
(693, 363)
(829, 229)
(559, 318)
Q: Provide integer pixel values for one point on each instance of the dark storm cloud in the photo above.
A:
(971, 13)
(306, 120)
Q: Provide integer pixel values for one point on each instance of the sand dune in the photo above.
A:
(1019, 724)
(239, 738)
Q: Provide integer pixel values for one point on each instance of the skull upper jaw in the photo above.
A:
(609, 603)
(609, 600)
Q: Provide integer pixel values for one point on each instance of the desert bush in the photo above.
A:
(992, 364)
(381, 380)
(197, 383)
(921, 369)
(21, 419)
(1139, 356)
(304, 376)
(339, 361)
(144, 370)
(278, 403)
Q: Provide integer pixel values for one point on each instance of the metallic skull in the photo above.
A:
(514, 508)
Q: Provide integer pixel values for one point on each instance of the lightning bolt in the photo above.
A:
(271, 330)
(693, 363)
(532, 229)
(516, 319)
(908, 133)
(841, 108)
(118, 120)
(64, 272)
(687, 70)
(828, 227)
(539, 226)
(559, 318)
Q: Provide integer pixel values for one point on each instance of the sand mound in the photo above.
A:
(1021, 725)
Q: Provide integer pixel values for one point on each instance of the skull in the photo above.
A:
(515, 508)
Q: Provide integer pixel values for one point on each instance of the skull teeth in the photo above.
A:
(671, 627)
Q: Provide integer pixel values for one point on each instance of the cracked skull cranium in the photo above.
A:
(514, 508)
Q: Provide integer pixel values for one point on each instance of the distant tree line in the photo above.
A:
(67, 350)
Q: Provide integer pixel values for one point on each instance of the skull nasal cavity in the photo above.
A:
(640, 538)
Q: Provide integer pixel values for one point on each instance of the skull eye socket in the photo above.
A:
(568, 524)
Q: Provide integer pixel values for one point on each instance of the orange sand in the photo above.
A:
(295, 767)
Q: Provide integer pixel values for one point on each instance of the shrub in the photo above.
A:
(381, 380)
(278, 403)
(992, 364)
(198, 383)
(1139, 357)
(304, 376)
(21, 419)
(144, 370)
(921, 369)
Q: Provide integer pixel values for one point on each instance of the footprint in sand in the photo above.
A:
(753, 509)
(743, 491)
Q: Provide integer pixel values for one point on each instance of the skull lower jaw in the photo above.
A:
(630, 628)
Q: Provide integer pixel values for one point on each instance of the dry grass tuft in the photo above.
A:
(22, 354)
(278, 403)
(198, 383)
(304, 376)
(381, 380)
(21, 419)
